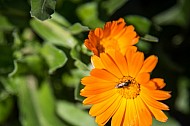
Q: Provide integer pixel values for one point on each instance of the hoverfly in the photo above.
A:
(124, 84)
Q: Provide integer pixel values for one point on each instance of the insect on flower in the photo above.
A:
(122, 85)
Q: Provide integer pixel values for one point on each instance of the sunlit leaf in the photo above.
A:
(70, 113)
(53, 33)
(33, 107)
(88, 13)
(112, 5)
(45, 96)
(78, 28)
(42, 9)
(142, 24)
(60, 19)
(54, 57)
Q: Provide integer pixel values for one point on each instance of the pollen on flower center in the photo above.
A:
(128, 87)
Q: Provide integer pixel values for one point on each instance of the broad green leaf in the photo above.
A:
(36, 105)
(5, 24)
(75, 116)
(88, 13)
(60, 19)
(54, 57)
(6, 106)
(142, 25)
(112, 5)
(53, 33)
(42, 9)
(45, 96)
(78, 28)
(29, 109)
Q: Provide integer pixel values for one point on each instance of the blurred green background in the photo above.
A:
(42, 56)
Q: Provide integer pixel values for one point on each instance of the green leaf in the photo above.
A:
(78, 28)
(6, 106)
(5, 24)
(53, 33)
(79, 64)
(176, 15)
(142, 25)
(54, 57)
(45, 96)
(74, 115)
(36, 106)
(182, 100)
(60, 19)
(144, 46)
(112, 5)
(88, 13)
(42, 9)
(77, 92)
(75, 52)
(149, 38)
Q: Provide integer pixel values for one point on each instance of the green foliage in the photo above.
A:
(42, 9)
(73, 114)
(43, 58)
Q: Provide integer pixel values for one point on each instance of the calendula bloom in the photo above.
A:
(115, 35)
(119, 88)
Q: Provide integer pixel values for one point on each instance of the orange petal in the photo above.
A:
(144, 116)
(120, 61)
(103, 74)
(101, 107)
(150, 85)
(143, 78)
(158, 114)
(157, 94)
(159, 82)
(90, 91)
(119, 114)
(108, 113)
(136, 63)
(98, 32)
(110, 65)
(152, 102)
(131, 117)
(96, 62)
(99, 98)
(91, 80)
(149, 64)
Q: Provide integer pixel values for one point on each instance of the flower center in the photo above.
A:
(128, 87)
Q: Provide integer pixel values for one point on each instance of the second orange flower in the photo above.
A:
(114, 35)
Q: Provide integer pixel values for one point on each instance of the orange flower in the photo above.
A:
(115, 34)
(120, 88)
